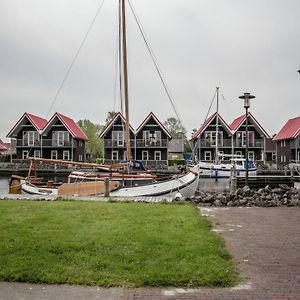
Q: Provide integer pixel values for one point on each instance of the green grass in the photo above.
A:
(111, 244)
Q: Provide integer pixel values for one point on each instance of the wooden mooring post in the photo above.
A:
(106, 187)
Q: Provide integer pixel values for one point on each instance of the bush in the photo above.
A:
(176, 162)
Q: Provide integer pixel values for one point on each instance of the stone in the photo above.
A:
(208, 199)
(246, 189)
(217, 202)
(230, 203)
(277, 191)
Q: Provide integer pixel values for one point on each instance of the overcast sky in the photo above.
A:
(241, 46)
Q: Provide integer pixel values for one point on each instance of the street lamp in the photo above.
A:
(246, 97)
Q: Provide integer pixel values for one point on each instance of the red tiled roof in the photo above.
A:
(207, 122)
(235, 125)
(72, 127)
(289, 131)
(36, 121)
(3, 147)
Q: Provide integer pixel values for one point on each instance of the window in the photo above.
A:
(37, 153)
(80, 143)
(157, 155)
(146, 137)
(251, 155)
(207, 155)
(31, 138)
(114, 155)
(118, 138)
(25, 154)
(80, 157)
(66, 155)
(298, 156)
(54, 154)
(241, 138)
(282, 143)
(145, 155)
(282, 158)
(60, 138)
(210, 138)
(238, 153)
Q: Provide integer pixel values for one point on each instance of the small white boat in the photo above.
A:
(217, 170)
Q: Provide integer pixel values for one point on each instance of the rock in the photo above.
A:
(246, 189)
(239, 191)
(230, 203)
(284, 187)
(217, 202)
(208, 199)
(277, 191)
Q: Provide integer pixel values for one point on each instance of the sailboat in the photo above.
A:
(183, 185)
(224, 164)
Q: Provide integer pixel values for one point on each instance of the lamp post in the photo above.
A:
(246, 97)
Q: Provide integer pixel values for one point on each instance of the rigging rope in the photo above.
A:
(154, 60)
(75, 57)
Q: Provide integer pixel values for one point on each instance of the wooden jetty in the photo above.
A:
(273, 181)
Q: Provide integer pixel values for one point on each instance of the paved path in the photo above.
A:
(265, 243)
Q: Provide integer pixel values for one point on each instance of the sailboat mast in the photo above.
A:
(125, 74)
(217, 127)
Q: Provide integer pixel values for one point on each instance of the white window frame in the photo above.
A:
(238, 153)
(37, 153)
(241, 136)
(25, 154)
(207, 154)
(114, 155)
(118, 136)
(145, 155)
(54, 154)
(157, 155)
(251, 155)
(66, 155)
(211, 137)
(80, 157)
(146, 137)
(61, 137)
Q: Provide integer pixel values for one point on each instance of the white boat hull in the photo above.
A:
(223, 170)
(186, 185)
(35, 190)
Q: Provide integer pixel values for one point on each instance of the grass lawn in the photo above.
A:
(111, 244)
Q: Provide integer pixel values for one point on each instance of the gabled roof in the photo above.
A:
(2, 146)
(70, 125)
(238, 122)
(206, 124)
(152, 115)
(112, 122)
(290, 130)
(37, 122)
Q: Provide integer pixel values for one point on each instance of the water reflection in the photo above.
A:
(220, 185)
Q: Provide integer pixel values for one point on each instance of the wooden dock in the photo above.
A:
(271, 180)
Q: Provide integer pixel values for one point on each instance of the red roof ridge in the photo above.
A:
(71, 125)
(290, 130)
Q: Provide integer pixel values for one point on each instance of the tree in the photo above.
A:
(175, 128)
(95, 145)
(110, 116)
